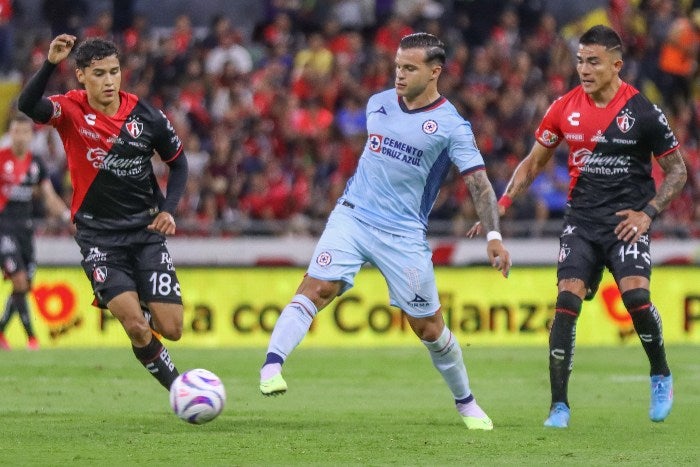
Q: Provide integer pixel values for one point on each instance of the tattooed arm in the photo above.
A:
(675, 175)
(484, 199)
(634, 224)
(486, 207)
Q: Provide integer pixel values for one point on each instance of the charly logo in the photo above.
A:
(573, 118)
(324, 259)
(430, 127)
(95, 255)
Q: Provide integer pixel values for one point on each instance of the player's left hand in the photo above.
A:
(499, 256)
(633, 225)
(163, 223)
(475, 230)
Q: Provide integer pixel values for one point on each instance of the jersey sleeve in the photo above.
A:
(463, 150)
(166, 141)
(548, 134)
(661, 137)
(58, 115)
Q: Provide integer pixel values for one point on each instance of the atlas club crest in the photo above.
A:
(624, 122)
(134, 128)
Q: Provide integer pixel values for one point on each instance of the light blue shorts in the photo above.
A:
(406, 263)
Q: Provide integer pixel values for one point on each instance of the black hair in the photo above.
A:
(94, 49)
(602, 35)
(434, 47)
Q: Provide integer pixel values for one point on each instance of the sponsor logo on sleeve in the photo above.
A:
(324, 259)
(549, 137)
(56, 110)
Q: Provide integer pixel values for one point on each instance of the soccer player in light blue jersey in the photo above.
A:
(414, 137)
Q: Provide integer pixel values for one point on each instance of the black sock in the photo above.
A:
(562, 340)
(9, 309)
(156, 358)
(22, 307)
(647, 323)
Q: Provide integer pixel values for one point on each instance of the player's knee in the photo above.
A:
(20, 283)
(429, 333)
(568, 302)
(319, 292)
(138, 330)
(171, 330)
(167, 319)
(636, 298)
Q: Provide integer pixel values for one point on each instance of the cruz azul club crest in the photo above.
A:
(134, 128)
(624, 122)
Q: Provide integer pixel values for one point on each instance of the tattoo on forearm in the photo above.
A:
(675, 176)
(516, 187)
(484, 199)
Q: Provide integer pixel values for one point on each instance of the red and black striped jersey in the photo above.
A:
(18, 178)
(610, 150)
(109, 159)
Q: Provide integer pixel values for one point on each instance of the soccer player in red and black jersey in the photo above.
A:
(21, 176)
(120, 214)
(612, 132)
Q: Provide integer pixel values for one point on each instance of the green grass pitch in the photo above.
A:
(344, 407)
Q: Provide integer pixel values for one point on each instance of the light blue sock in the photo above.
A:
(447, 358)
(292, 325)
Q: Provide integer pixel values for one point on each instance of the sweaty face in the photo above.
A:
(412, 73)
(597, 68)
(102, 81)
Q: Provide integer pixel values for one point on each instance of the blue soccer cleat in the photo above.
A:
(661, 397)
(558, 416)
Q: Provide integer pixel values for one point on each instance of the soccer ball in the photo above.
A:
(197, 396)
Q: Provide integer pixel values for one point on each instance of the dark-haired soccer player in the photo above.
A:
(612, 132)
(120, 214)
(415, 135)
(21, 174)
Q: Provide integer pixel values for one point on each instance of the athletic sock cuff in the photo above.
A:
(305, 304)
(445, 339)
(150, 352)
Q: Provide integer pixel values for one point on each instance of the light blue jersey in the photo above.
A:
(407, 156)
(382, 216)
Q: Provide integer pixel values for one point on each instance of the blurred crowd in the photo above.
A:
(273, 120)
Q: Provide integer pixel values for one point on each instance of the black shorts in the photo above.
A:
(17, 253)
(118, 262)
(584, 250)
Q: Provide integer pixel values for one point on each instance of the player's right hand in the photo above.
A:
(499, 257)
(60, 48)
